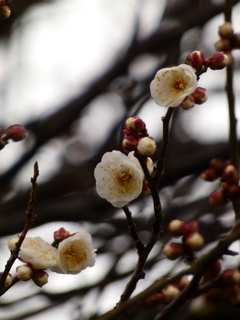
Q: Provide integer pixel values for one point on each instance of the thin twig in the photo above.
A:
(30, 218)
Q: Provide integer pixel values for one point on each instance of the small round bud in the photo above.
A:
(151, 301)
(40, 277)
(146, 146)
(188, 102)
(218, 198)
(194, 241)
(226, 30)
(191, 226)
(197, 59)
(200, 95)
(135, 124)
(209, 175)
(5, 12)
(217, 165)
(181, 282)
(213, 271)
(8, 280)
(223, 45)
(217, 61)
(230, 174)
(232, 294)
(129, 143)
(16, 132)
(61, 234)
(173, 250)
(24, 272)
(169, 293)
(233, 191)
(177, 227)
(12, 243)
(230, 277)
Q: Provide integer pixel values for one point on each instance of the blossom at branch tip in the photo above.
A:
(118, 179)
(38, 253)
(172, 85)
(75, 254)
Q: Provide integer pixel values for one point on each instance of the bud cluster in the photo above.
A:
(137, 138)
(15, 133)
(228, 39)
(229, 181)
(192, 240)
(5, 11)
(168, 293)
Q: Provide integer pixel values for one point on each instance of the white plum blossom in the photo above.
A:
(172, 85)
(137, 163)
(75, 254)
(118, 179)
(38, 253)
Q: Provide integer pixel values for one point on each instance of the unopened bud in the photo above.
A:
(173, 250)
(217, 165)
(151, 301)
(233, 191)
(197, 59)
(218, 198)
(12, 243)
(213, 271)
(226, 30)
(230, 277)
(135, 124)
(40, 277)
(169, 293)
(191, 226)
(146, 146)
(61, 234)
(177, 227)
(5, 12)
(181, 282)
(217, 61)
(188, 102)
(194, 241)
(145, 189)
(230, 174)
(8, 280)
(200, 95)
(232, 294)
(16, 132)
(24, 272)
(129, 143)
(209, 175)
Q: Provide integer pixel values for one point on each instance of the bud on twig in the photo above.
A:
(177, 227)
(173, 250)
(194, 241)
(16, 132)
(146, 146)
(226, 30)
(24, 272)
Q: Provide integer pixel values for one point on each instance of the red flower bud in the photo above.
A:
(217, 61)
(213, 271)
(230, 277)
(191, 226)
(135, 124)
(61, 234)
(209, 175)
(169, 293)
(129, 143)
(5, 12)
(177, 227)
(181, 282)
(16, 132)
(218, 198)
(217, 165)
(188, 102)
(232, 294)
(230, 174)
(200, 95)
(194, 241)
(197, 59)
(226, 30)
(173, 250)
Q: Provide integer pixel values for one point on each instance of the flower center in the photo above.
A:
(179, 85)
(124, 178)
